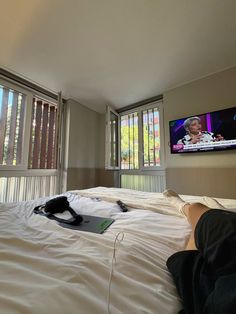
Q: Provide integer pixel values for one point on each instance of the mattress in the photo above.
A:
(46, 268)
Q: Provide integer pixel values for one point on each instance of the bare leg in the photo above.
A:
(193, 212)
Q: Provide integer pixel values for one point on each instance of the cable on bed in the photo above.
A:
(119, 238)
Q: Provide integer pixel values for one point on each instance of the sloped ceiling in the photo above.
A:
(116, 52)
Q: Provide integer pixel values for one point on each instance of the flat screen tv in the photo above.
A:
(212, 131)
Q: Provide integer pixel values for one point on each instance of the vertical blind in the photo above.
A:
(43, 140)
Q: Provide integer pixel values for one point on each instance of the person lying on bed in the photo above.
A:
(205, 273)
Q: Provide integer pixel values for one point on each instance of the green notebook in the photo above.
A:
(91, 224)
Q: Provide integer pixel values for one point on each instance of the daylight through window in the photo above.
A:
(12, 113)
(129, 141)
(140, 139)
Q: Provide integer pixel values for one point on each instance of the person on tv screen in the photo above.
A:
(195, 134)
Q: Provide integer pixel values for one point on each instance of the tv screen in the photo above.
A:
(205, 132)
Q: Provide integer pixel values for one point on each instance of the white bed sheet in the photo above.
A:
(45, 268)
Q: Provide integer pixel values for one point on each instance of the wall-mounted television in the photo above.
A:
(211, 131)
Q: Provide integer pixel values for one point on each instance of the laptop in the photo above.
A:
(91, 224)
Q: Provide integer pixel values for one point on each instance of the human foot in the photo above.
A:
(175, 200)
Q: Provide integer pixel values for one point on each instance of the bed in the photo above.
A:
(45, 268)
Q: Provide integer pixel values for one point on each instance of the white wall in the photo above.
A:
(84, 149)
(215, 92)
(207, 173)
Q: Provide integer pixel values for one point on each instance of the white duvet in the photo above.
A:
(45, 268)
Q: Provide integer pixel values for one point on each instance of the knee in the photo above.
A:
(195, 210)
(198, 206)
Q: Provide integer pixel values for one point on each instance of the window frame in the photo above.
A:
(108, 165)
(139, 134)
(141, 170)
(159, 106)
(23, 168)
(26, 126)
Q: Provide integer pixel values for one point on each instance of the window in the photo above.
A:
(12, 115)
(30, 133)
(112, 138)
(140, 138)
(28, 130)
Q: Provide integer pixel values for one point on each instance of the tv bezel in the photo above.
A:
(199, 151)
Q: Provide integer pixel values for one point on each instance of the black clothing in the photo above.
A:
(206, 278)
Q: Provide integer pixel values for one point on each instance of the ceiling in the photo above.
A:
(116, 52)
